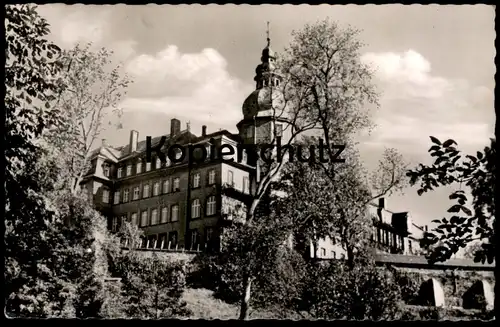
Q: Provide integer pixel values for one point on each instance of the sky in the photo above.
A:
(434, 70)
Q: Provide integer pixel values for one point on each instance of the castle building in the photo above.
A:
(392, 233)
(180, 205)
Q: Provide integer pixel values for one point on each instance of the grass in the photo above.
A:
(203, 305)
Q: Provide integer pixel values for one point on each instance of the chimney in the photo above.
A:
(104, 142)
(204, 130)
(381, 203)
(425, 228)
(175, 127)
(134, 139)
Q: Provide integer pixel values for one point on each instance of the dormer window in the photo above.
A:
(106, 170)
(208, 151)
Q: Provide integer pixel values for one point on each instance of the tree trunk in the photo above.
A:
(350, 257)
(245, 301)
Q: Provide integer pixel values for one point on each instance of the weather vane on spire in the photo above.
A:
(268, 39)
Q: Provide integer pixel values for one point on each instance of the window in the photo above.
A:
(230, 180)
(208, 151)
(125, 195)
(148, 166)
(144, 218)
(279, 130)
(244, 157)
(246, 185)
(178, 154)
(117, 197)
(158, 163)
(174, 216)
(409, 247)
(133, 219)
(176, 187)
(156, 189)
(277, 82)
(172, 239)
(162, 241)
(196, 180)
(105, 196)
(323, 252)
(342, 256)
(209, 231)
(195, 208)
(114, 226)
(334, 255)
(138, 168)
(106, 170)
(136, 193)
(164, 214)
(194, 238)
(211, 209)
(166, 186)
(145, 191)
(154, 217)
(129, 170)
(120, 172)
(211, 177)
(151, 241)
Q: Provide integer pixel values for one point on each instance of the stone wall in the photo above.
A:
(455, 283)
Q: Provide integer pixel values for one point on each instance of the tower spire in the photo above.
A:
(268, 38)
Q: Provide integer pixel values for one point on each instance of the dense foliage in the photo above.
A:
(59, 254)
(152, 287)
(336, 291)
(470, 222)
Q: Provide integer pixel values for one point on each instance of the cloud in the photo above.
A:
(192, 86)
(416, 103)
(411, 71)
(75, 24)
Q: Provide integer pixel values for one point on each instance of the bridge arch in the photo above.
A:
(480, 295)
(431, 293)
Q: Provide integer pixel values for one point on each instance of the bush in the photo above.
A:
(336, 291)
(409, 285)
(278, 283)
(151, 287)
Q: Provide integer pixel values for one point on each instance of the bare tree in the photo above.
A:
(94, 90)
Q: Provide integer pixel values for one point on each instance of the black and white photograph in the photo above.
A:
(241, 162)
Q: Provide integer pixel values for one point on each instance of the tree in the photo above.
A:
(338, 210)
(327, 92)
(335, 291)
(33, 83)
(54, 269)
(152, 286)
(469, 222)
(276, 277)
(94, 90)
